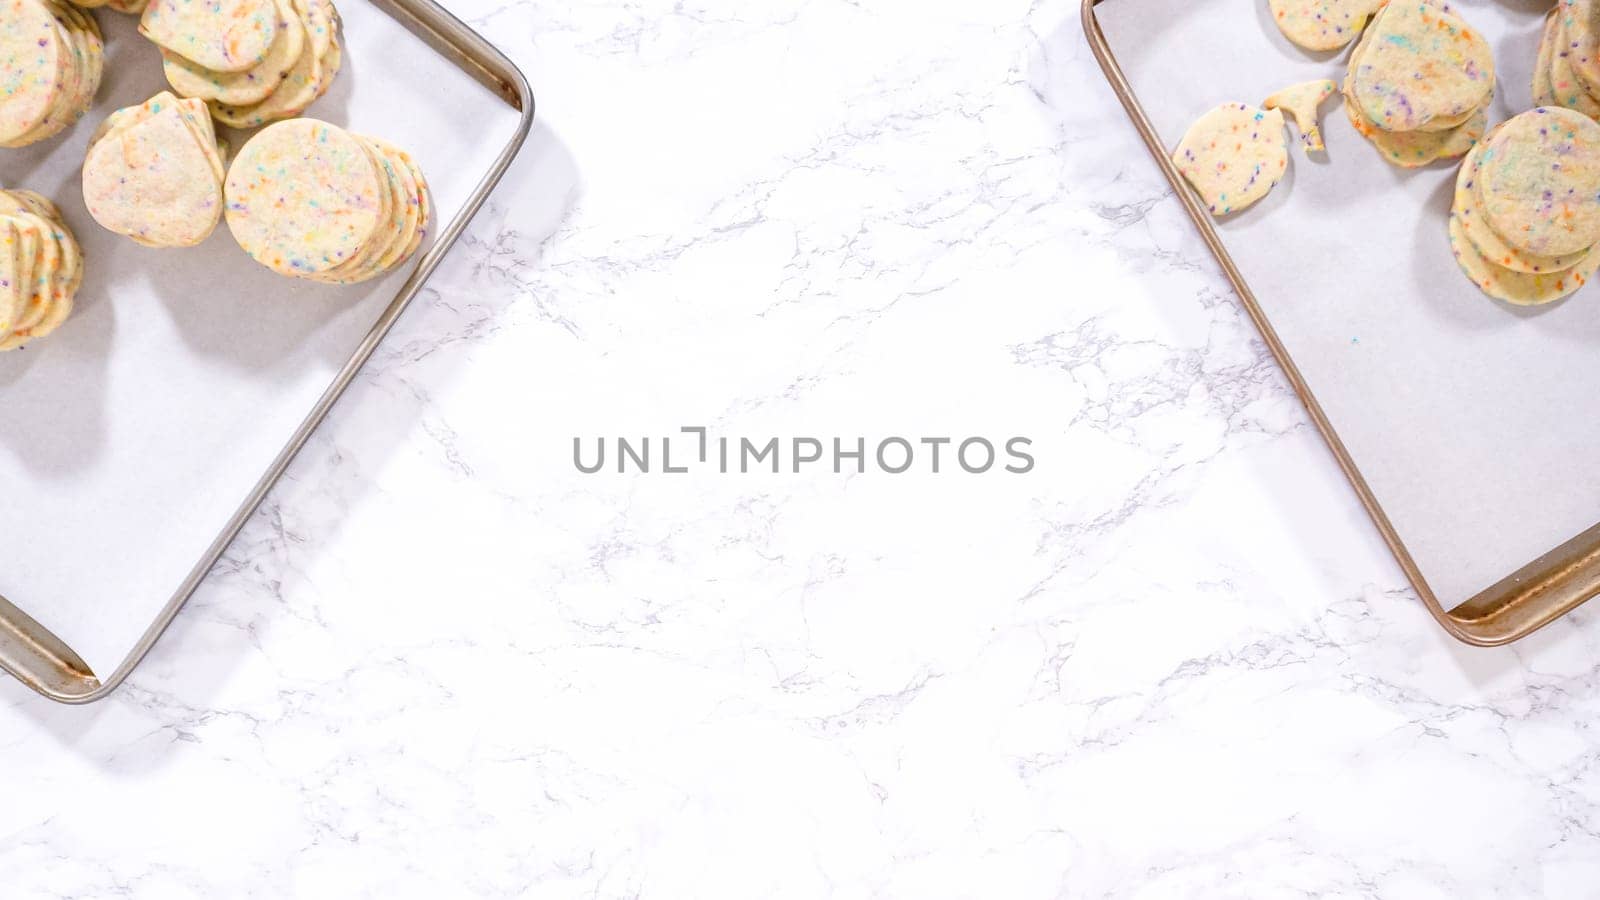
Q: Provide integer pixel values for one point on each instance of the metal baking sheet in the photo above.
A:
(1464, 422)
(137, 439)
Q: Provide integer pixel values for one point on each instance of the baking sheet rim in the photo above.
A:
(1520, 603)
(40, 660)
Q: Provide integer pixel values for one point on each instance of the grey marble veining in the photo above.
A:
(1173, 660)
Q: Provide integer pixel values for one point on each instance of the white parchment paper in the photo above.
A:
(1473, 422)
(128, 439)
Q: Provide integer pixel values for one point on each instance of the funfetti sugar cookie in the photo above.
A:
(1520, 288)
(355, 208)
(12, 292)
(1321, 24)
(1487, 241)
(303, 197)
(44, 259)
(1581, 31)
(1544, 93)
(1437, 123)
(1419, 63)
(418, 197)
(382, 235)
(1539, 181)
(190, 79)
(406, 216)
(304, 82)
(39, 273)
(221, 35)
(1300, 101)
(57, 270)
(1565, 86)
(321, 21)
(74, 47)
(1412, 149)
(70, 274)
(34, 59)
(1233, 155)
(152, 178)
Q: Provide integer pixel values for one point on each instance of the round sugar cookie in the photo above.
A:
(332, 63)
(424, 206)
(1412, 149)
(1581, 31)
(37, 202)
(354, 268)
(1539, 181)
(253, 85)
(34, 58)
(43, 256)
(70, 277)
(412, 189)
(303, 196)
(1233, 155)
(1486, 240)
(1438, 123)
(153, 182)
(31, 308)
(1321, 24)
(221, 35)
(69, 272)
(61, 111)
(94, 54)
(1420, 63)
(1565, 86)
(81, 78)
(406, 217)
(1544, 92)
(321, 20)
(12, 295)
(306, 81)
(59, 286)
(1520, 288)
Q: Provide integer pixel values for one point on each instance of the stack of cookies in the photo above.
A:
(1419, 83)
(154, 173)
(1526, 217)
(40, 268)
(1567, 72)
(311, 200)
(252, 61)
(51, 57)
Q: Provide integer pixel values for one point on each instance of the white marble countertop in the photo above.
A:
(1174, 659)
